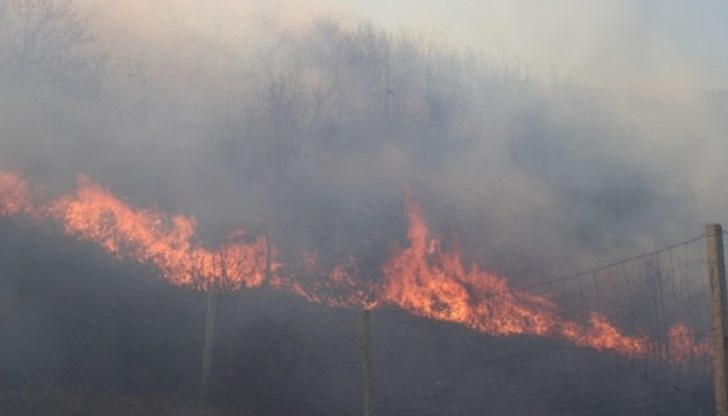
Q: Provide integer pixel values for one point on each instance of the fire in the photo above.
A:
(342, 287)
(683, 345)
(423, 278)
(166, 241)
(429, 281)
(14, 197)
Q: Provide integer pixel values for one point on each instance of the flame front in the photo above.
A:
(432, 282)
(342, 287)
(149, 236)
(13, 194)
(422, 278)
(683, 346)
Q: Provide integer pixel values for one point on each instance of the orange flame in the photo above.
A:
(342, 287)
(149, 236)
(13, 194)
(423, 278)
(683, 345)
(432, 282)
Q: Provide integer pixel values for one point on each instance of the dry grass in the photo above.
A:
(54, 400)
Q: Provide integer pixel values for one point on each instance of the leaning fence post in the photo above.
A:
(366, 363)
(210, 317)
(718, 307)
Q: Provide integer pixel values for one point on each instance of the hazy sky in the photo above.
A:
(650, 37)
(668, 44)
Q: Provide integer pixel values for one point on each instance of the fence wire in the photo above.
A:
(430, 368)
(446, 370)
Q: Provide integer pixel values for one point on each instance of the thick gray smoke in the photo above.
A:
(309, 130)
(323, 127)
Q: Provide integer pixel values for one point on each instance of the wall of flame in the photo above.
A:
(422, 278)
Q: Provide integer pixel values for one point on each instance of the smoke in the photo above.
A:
(539, 138)
(581, 134)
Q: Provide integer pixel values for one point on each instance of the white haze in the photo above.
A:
(525, 123)
(547, 137)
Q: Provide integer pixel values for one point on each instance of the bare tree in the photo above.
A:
(48, 41)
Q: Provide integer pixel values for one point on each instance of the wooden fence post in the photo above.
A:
(366, 363)
(718, 307)
(210, 318)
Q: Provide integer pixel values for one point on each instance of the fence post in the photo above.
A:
(210, 318)
(366, 363)
(718, 307)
